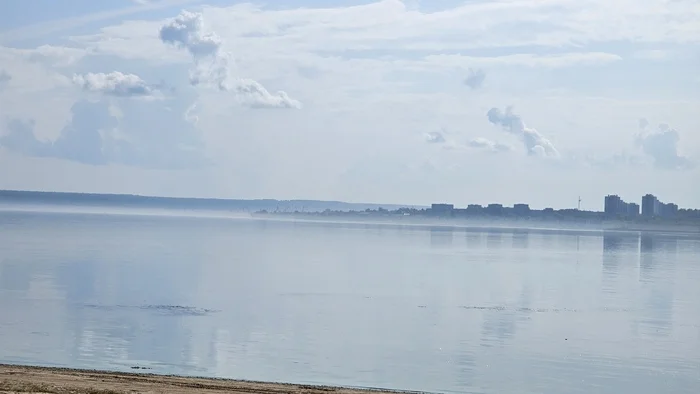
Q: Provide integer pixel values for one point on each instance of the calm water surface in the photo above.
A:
(408, 308)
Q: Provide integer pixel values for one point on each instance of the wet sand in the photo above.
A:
(38, 380)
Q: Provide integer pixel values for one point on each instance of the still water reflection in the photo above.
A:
(495, 311)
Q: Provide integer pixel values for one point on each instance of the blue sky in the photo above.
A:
(395, 101)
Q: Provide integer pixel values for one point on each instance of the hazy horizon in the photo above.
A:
(350, 205)
(387, 101)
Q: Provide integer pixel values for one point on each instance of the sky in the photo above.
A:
(386, 101)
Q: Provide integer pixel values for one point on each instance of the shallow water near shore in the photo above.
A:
(417, 308)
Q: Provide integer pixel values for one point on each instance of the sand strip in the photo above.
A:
(39, 380)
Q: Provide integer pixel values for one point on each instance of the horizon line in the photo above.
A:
(397, 205)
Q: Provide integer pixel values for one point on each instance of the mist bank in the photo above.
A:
(480, 224)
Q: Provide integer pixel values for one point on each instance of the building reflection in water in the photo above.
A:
(494, 238)
(655, 248)
(657, 260)
(618, 247)
(441, 236)
(521, 238)
(474, 239)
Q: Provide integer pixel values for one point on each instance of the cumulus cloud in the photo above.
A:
(20, 138)
(252, 94)
(186, 31)
(145, 134)
(486, 144)
(434, 137)
(212, 65)
(475, 79)
(79, 141)
(535, 143)
(662, 146)
(114, 84)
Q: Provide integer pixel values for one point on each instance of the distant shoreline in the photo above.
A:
(133, 201)
(503, 225)
(53, 380)
(338, 211)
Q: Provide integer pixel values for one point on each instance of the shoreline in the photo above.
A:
(16, 379)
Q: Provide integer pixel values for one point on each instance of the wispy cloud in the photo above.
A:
(652, 54)
(527, 60)
(49, 55)
(389, 24)
(43, 29)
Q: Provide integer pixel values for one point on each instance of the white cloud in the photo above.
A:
(186, 31)
(662, 145)
(212, 67)
(114, 84)
(535, 143)
(434, 137)
(483, 143)
(254, 95)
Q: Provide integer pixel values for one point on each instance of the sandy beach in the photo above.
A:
(23, 379)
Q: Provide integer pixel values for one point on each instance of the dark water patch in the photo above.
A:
(171, 310)
(40, 333)
(538, 310)
(179, 310)
(524, 310)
